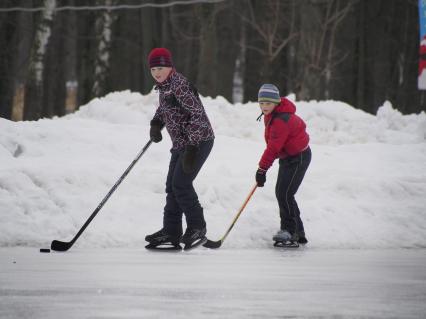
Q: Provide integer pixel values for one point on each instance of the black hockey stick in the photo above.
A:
(216, 244)
(64, 246)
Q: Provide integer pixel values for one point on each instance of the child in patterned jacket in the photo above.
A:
(181, 112)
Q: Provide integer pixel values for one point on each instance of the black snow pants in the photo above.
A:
(290, 175)
(181, 196)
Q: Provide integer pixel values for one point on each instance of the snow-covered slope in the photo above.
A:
(366, 186)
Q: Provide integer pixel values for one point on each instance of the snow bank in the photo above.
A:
(365, 188)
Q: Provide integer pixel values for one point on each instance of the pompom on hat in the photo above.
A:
(269, 93)
(160, 57)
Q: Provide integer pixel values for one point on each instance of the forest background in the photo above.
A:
(56, 55)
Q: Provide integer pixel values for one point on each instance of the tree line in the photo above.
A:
(362, 52)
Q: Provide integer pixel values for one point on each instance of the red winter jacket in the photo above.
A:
(285, 134)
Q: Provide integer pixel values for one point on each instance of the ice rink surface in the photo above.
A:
(224, 283)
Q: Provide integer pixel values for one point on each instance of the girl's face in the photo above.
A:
(160, 73)
(267, 107)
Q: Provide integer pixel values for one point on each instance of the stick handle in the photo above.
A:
(239, 212)
(107, 196)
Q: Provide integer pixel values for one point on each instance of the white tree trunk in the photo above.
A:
(103, 24)
(71, 96)
(42, 38)
(35, 79)
(18, 103)
(240, 64)
(71, 81)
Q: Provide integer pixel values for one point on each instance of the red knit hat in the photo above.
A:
(160, 57)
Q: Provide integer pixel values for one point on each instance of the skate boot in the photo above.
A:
(302, 238)
(284, 239)
(163, 241)
(194, 237)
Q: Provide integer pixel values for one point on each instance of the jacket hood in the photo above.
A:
(286, 106)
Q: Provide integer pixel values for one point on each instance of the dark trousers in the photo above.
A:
(181, 196)
(290, 175)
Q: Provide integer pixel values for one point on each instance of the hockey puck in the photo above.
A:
(44, 250)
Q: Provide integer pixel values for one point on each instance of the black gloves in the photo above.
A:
(155, 131)
(260, 177)
(189, 158)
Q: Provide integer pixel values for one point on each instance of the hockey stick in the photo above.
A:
(216, 244)
(64, 246)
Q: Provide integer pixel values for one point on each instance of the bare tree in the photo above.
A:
(103, 26)
(318, 54)
(273, 30)
(34, 92)
(360, 52)
(209, 46)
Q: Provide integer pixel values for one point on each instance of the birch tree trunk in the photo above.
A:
(34, 94)
(71, 82)
(103, 26)
(240, 65)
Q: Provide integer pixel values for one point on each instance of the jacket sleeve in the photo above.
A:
(278, 135)
(191, 103)
(158, 118)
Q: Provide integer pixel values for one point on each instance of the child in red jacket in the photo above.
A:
(287, 140)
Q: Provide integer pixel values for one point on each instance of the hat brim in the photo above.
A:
(268, 99)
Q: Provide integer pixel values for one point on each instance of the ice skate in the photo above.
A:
(194, 237)
(284, 239)
(161, 240)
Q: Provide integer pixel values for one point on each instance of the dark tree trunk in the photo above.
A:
(206, 78)
(360, 55)
(289, 77)
(20, 60)
(310, 54)
(227, 51)
(148, 29)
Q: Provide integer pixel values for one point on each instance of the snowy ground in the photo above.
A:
(363, 203)
(261, 283)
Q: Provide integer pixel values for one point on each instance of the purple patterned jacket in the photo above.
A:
(182, 112)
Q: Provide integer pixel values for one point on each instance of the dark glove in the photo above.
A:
(260, 177)
(189, 158)
(155, 131)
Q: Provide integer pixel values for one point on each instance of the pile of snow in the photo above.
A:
(365, 188)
